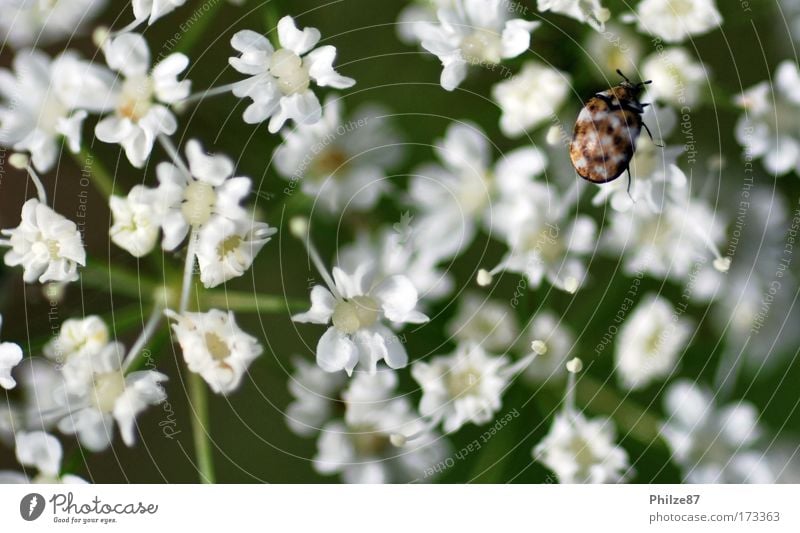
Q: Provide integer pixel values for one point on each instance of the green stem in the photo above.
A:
(110, 278)
(250, 302)
(97, 173)
(198, 396)
(272, 14)
(198, 28)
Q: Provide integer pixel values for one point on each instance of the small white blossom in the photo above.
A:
(588, 11)
(357, 306)
(140, 97)
(579, 450)
(675, 20)
(710, 444)
(10, 356)
(769, 129)
(226, 248)
(77, 342)
(46, 99)
(677, 77)
(650, 343)
(546, 239)
(279, 81)
(215, 347)
(474, 32)
(152, 10)
(415, 16)
(43, 452)
(464, 387)
(46, 244)
(360, 447)
(316, 396)
(38, 22)
(530, 98)
(192, 201)
(340, 164)
(491, 324)
(109, 395)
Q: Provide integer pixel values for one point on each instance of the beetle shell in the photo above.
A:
(605, 134)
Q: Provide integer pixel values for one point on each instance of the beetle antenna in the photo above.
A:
(624, 77)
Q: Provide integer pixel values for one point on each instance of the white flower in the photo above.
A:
(397, 250)
(340, 164)
(474, 32)
(650, 342)
(675, 20)
(769, 127)
(37, 22)
(137, 221)
(192, 201)
(546, 239)
(414, 16)
(356, 305)
(456, 196)
(676, 77)
(713, 445)
(550, 339)
(530, 98)
(109, 395)
(45, 99)
(578, 450)
(37, 379)
(316, 396)
(488, 323)
(43, 452)
(226, 248)
(78, 341)
(47, 245)
(10, 356)
(360, 446)
(464, 387)
(215, 347)
(152, 10)
(140, 98)
(587, 11)
(279, 81)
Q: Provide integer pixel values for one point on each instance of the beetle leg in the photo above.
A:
(630, 180)
(651, 135)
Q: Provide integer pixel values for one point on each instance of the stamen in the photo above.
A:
(23, 162)
(574, 366)
(400, 440)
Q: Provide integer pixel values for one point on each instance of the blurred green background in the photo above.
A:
(252, 442)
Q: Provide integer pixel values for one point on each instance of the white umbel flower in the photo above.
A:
(769, 128)
(141, 97)
(43, 452)
(10, 356)
(46, 99)
(579, 450)
(710, 444)
(675, 20)
(360, 447)
(551, 340)
(152, 10)
(474, 32)
(279, 82)
(478, 320)
(38, 23)
(530, 98)
(47, 245)
(110, 395)
(137, 220)
(588, 11)
(650, 343)
(77, 342)
(193, 199)
(226, 248)
(340, 164)
(357, 306)
(464, 387)
(215, 347)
